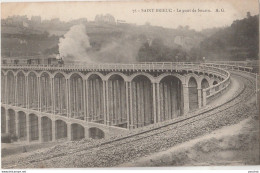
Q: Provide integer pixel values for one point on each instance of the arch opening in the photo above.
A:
(204, 85)
(10, 88)
(76, 97)
(171, 101)
(117, 101)
(3, 92)
(217, 87)
(193, 94)
(33, 127)
(96, 133)
(77, 132)
(46, 125)
(60, 105)
(3, 120)
(11, 122)
(215, 82)
(33, 91)
(142, 101)
(22, 133)
(61, 129)
(21, 95)
(46, 101)
(95, 99)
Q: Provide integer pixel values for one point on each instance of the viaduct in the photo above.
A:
(46, 103)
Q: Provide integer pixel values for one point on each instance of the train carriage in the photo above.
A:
(51, 60)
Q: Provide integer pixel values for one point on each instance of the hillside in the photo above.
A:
(123, 42)
(109, 42)
(240, 41)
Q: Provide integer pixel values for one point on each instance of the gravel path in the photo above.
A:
(91, 153)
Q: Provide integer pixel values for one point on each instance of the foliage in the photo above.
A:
(158, 51)
(237, 42)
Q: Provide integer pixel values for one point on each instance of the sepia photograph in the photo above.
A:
(129, 84)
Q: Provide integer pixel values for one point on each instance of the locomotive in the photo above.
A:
(52, 61)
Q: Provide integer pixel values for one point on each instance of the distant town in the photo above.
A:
(36, 22)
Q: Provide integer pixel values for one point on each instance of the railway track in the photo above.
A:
(117, 151)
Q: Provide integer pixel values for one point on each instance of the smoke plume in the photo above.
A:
(74, 45)
(119, 50)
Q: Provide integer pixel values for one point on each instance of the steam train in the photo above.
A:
(34, 61)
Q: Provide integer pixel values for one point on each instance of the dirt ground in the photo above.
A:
(232, 145)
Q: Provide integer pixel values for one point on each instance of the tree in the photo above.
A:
(237, 42)
(158, 51)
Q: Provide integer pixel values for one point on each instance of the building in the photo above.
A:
(108, 18)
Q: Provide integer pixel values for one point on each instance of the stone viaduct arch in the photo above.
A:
(45, 92)
(117, 97)
(10, 90)
(171, 97)
(96, 133)
(3, 120)
(76, 96)
(33, 127)
(193, 93)
(11, 122)
(33, 94)
(61, 129)
(50, 105)
(3, 83)
(95, 98)
(59, 97)
(77, 131)
(21, 90)
(142, 108)
(46, 129)
(22, 125)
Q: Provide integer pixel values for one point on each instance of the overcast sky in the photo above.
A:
(233, 9)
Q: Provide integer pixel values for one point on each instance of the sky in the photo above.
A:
(179, 12)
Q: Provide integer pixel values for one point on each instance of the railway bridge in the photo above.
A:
(46, 103)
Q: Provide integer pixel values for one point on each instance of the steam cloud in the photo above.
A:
(74, 45)
(118, 51)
